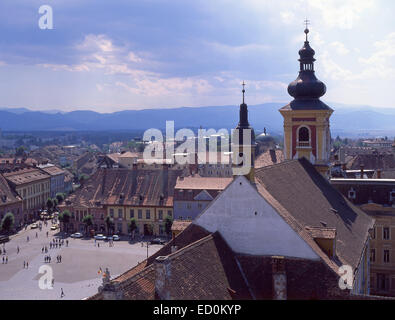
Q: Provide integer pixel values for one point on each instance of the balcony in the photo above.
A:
(303, 144)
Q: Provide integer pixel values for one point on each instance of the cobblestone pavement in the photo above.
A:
(77, 274)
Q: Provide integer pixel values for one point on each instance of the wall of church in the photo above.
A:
(250, 225)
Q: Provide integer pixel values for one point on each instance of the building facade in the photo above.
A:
(33, 186)
(57, 179)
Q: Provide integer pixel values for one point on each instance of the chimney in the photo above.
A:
(378, 173)
(162, 277)
(279, 278)
(362, 166)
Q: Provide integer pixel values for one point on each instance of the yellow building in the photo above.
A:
(33, 186)
(306, 118)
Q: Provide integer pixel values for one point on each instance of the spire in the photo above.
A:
(243, 84)
(306, 31)
(307, 87)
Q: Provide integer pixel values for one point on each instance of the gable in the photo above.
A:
(250, 225)
(203, 196)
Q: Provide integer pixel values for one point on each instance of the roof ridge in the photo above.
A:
(192, 245)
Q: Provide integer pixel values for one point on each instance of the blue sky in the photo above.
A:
(124, 54)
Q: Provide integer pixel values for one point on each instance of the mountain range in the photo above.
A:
(347, 120)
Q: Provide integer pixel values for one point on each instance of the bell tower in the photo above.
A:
(306, 118)
(243, 148)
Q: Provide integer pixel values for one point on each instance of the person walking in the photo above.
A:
(6, 259)
(61, 293)
(3, 260)
(27, 238)
(17, 249)
(47, 234)
(36, 235)
(24, 264)
(27, 265)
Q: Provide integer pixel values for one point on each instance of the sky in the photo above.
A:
(114, 55)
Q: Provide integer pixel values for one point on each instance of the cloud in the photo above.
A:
(339, 47)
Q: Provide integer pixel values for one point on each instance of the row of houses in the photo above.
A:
(25, 189)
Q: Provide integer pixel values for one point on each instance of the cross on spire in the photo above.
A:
(306, 31)
(243, 84)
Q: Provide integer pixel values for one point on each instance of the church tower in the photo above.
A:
(306, 118)
(244, 145)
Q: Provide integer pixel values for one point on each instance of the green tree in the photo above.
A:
(7, 222)
(88, 221)
(50, 204)
(132, 226)
(65, 217)
(60, 197)
(168, 223)
(20, 151)
(109, 223)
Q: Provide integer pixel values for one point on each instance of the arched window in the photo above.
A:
(303, 134)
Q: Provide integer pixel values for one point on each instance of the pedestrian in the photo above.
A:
(67, 243)
(27, 238)
(24, 264)
(6, 259)
(27, 265)
(36, 235)
(60, 257)
(98, 245)
(0, 251)
(47, 234)
(53, 282)
(42, 250)
(17, 249)
(3, 260)
(61, 293)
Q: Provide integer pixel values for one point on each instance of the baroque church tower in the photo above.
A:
(306, 118)
(243, 145)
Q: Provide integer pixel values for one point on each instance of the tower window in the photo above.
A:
(304, 137)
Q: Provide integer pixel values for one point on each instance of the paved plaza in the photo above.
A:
(77, 274)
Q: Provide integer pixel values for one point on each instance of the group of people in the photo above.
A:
(47, 259)
(25, 264)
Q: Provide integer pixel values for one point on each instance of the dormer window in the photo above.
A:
(352, 194)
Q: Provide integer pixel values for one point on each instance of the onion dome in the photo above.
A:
(307, 89)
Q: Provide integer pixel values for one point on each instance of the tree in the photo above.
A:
(7, 222)
(55, 202)
(110, 223)
(50, 204)
(168, 223)
(88, 221)
(65, 217)
(60, 197)
(20, 151)
(132, 226)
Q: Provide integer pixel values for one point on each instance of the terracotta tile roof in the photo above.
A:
(206, 270)
(202, 183)
(25, 175)
(129, 154)
(127, 187)
(7, 195)
(312, 201)
(374, 160)
(269, 158)
(180, 225)
(53, 170)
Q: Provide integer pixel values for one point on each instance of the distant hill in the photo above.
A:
(346, 120)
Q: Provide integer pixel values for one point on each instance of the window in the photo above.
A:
(351, 193)
(304, 137)
(112, 213)
(386, 233)
(374, 233)
(189, 206)
(120, 213)
(382, 282)
(140, 214)
(131, 213)
(169, 213)
(386, 256)
(147, 214)
(160, 214)
(372, 255)
(199, 205)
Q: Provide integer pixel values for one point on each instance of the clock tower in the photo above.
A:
(306, 118)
